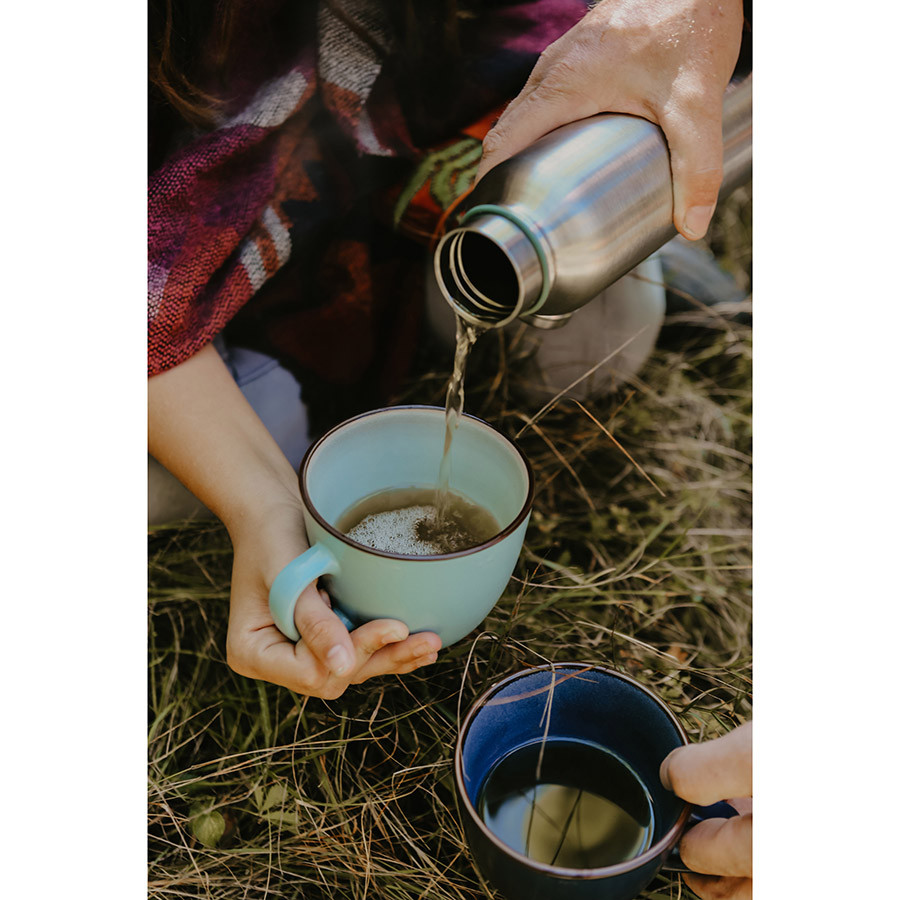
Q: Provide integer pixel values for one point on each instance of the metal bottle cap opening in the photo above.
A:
(489, 270)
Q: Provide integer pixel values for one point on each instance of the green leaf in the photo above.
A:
(208, 827)
(277, 795)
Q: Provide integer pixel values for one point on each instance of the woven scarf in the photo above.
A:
(301, 220)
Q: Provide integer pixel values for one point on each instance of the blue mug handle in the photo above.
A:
(720, 810)
(293, 579)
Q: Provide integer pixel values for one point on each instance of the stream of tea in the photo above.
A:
(466, 335)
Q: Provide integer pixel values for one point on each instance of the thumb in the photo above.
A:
(323, 633)
(714, 770)
(694, 137)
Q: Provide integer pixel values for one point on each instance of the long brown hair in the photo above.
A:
(188, 43)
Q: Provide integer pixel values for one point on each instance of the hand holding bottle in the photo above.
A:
(667, 61)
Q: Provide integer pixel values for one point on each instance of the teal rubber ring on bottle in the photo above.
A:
(292, 580)
(526, 230)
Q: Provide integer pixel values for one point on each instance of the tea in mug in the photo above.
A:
(406, 521)
(575, 805)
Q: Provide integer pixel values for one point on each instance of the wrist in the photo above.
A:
(268, 534)
(267, 492)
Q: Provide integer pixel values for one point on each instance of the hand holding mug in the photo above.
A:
(327, 659)
(203, 430)
(719, 850)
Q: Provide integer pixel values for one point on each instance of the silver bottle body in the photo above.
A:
(547, 230)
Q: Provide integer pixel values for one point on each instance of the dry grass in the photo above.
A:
(256, 792)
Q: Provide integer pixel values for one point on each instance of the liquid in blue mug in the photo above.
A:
(401, 448)
(557, 780)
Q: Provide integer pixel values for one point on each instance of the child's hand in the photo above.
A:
(667, 61)
(327, 658)
(721, 849)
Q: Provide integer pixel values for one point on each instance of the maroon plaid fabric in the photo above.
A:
(279, 205)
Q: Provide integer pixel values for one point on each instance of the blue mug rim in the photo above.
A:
(660, 849)
(334, 532)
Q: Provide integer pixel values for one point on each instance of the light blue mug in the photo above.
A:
(395, 448)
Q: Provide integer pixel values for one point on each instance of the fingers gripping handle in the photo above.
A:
(292, 580)
(720, 810)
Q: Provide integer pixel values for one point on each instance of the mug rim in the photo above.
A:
(409, 557)
(660, 847)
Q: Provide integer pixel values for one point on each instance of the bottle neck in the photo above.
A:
(489, 270)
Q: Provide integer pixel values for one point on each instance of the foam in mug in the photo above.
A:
(406, 521)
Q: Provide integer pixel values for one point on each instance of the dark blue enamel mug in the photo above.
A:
(588, 705)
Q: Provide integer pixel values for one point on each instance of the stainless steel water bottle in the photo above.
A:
(548, 229)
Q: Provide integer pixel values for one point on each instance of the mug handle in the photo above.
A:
(720, 810)
(293, 579)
